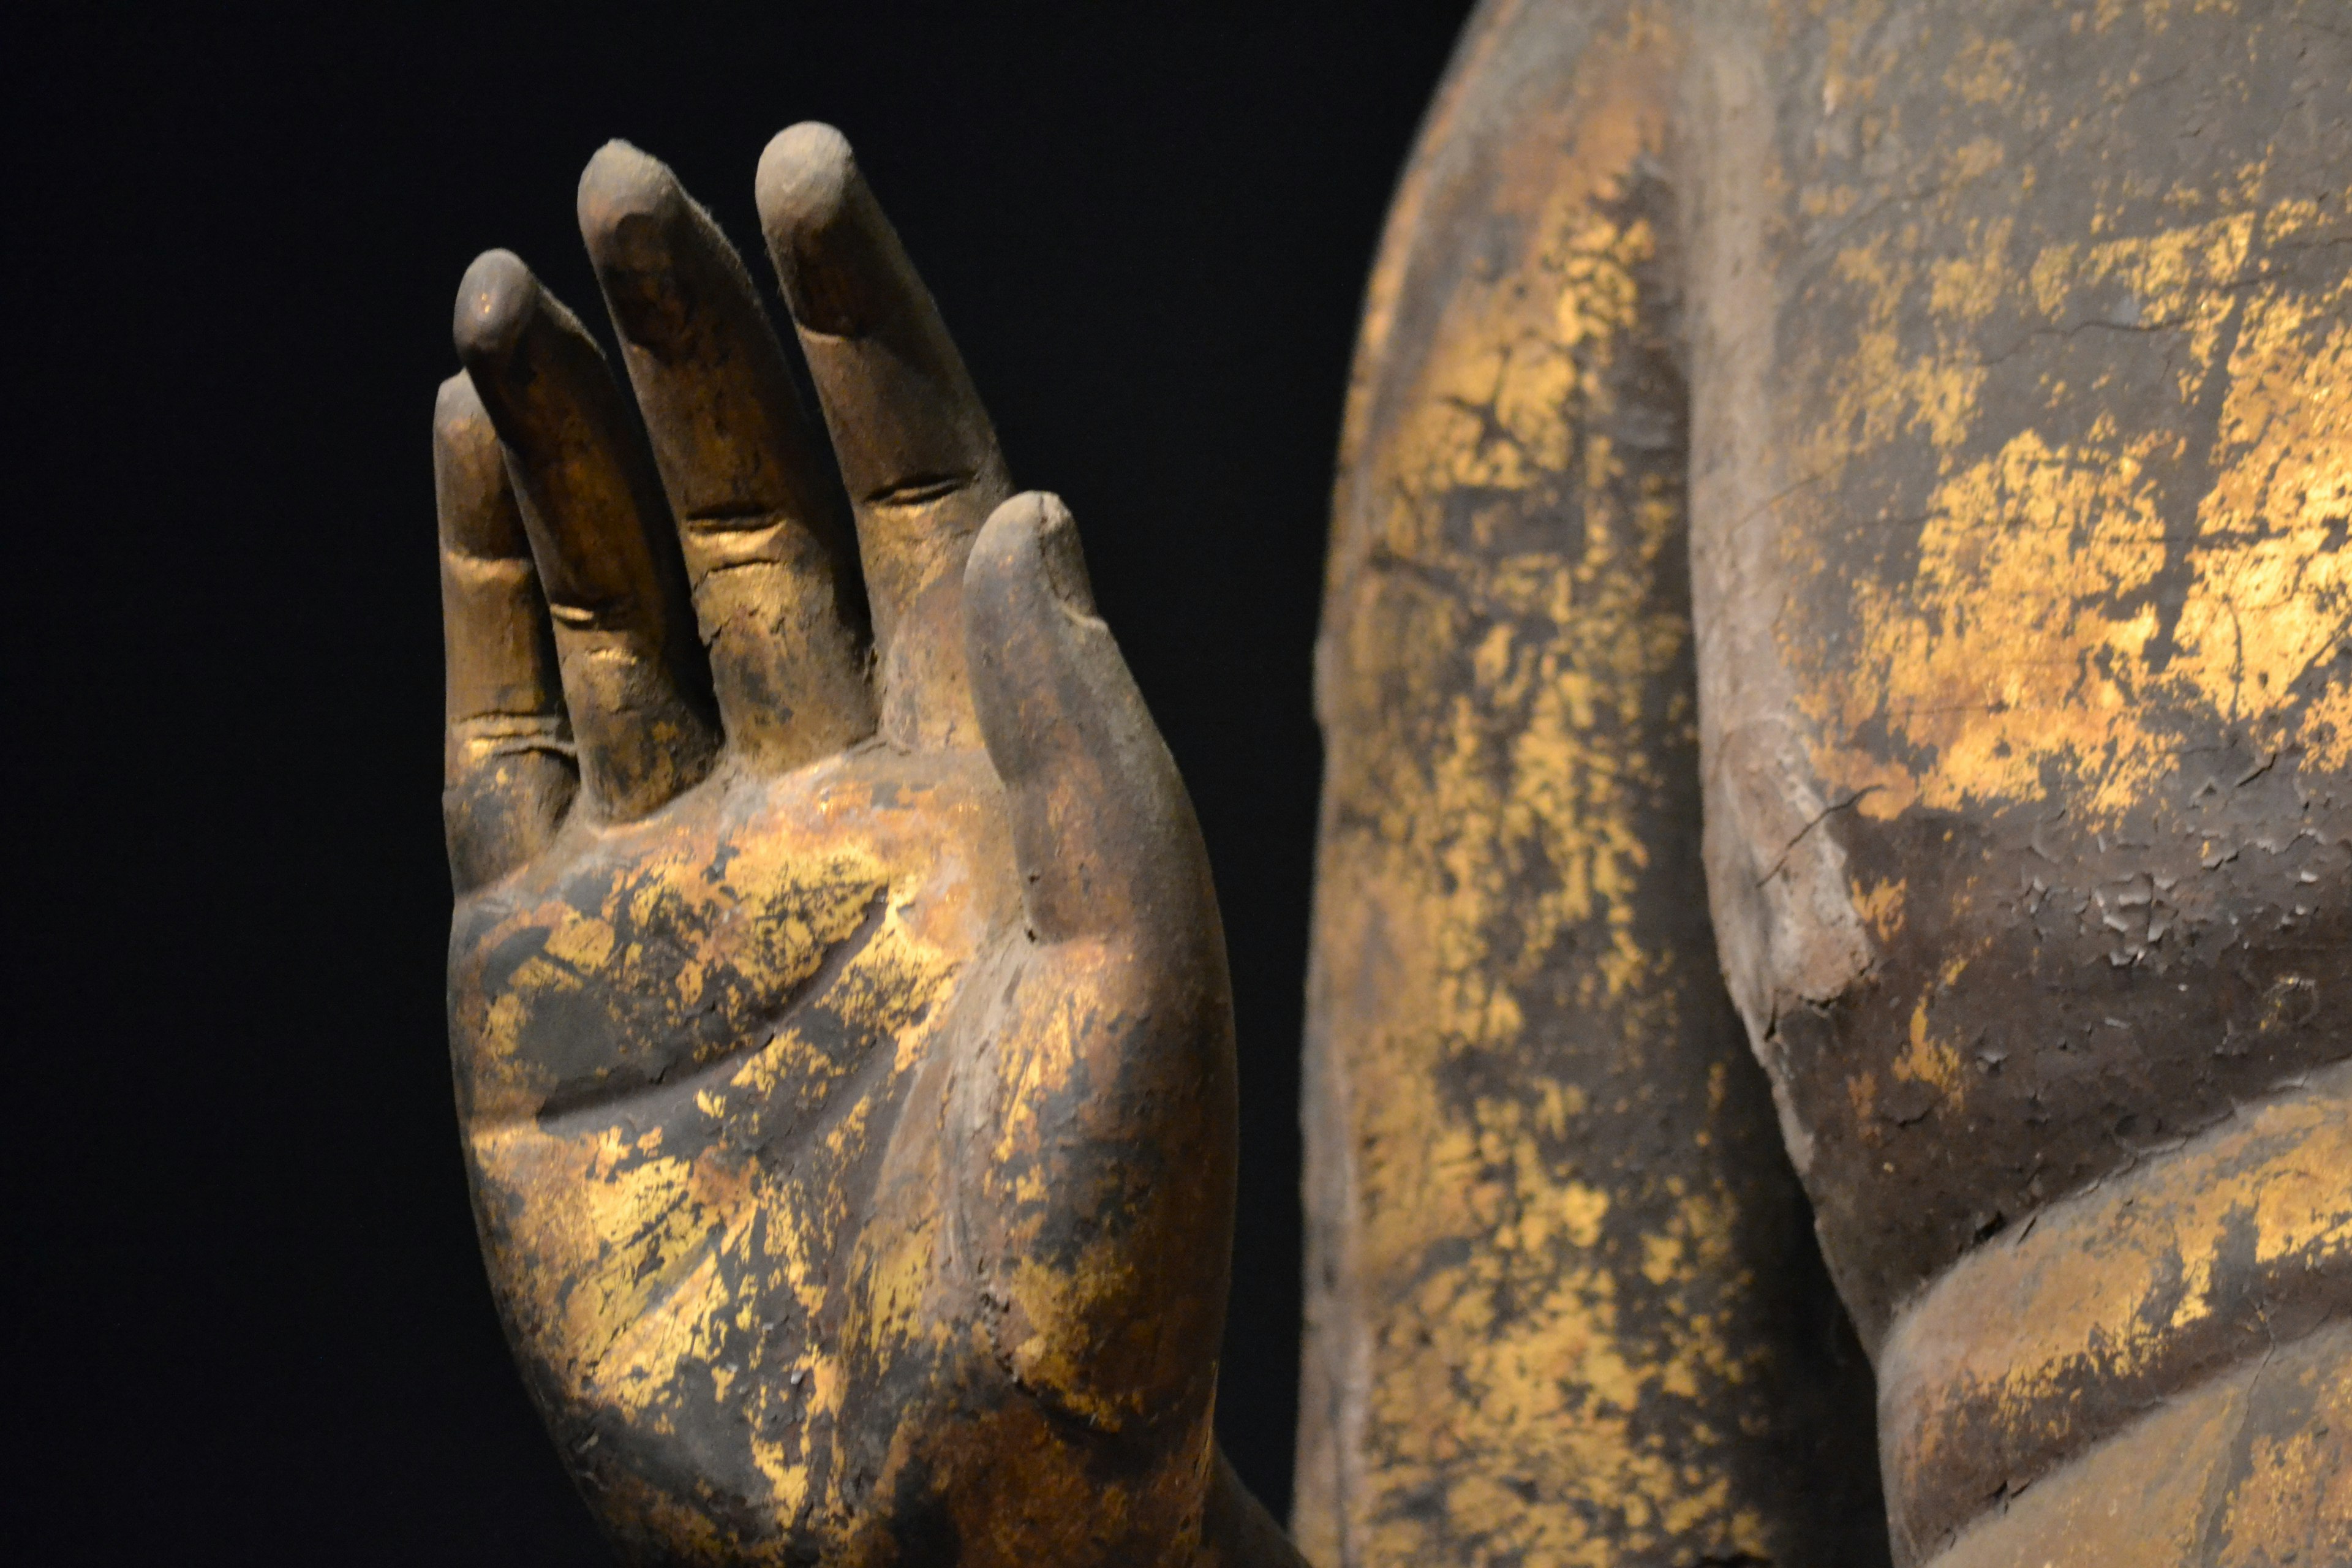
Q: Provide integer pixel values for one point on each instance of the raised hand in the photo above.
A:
(837, 998)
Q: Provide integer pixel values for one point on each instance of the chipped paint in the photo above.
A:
(1549, 1241)
(1973, 667)
(786, 1276)
(2030, 1351)
(2028, 455)
(678, 1217)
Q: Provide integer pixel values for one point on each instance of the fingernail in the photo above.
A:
(825, 235)
(628, 199)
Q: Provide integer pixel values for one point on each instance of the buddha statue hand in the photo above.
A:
(837, 999)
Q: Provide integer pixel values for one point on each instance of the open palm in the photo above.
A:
(838, 1005)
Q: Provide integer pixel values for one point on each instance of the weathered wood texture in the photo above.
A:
(2019, 462)
(1563, 1304)
(2022, 465)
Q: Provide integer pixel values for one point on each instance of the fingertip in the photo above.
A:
(476, 507)
(1006, 540)
(624, 194)
(805, 178)
(458, 408)
(1099, 817)
(1032, 539)
(495, 300)
(461, 426)
(827, 240)
(532, 361)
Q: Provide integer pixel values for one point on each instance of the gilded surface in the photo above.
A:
(2240, 1472)
(689, 1050)
(2030, 462)
(1558, 1293)
(843, 1044)
(1920, 432)
(2034, 1347)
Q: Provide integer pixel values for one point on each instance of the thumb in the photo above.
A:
(1104, 1172)
(1104, 835)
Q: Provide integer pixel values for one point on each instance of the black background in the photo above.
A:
(248, 1302)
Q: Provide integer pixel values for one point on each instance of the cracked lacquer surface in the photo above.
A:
(2029, 503)
(2070, 445)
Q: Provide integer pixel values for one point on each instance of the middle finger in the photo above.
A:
(771, 558)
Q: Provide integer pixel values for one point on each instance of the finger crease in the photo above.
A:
(915, 491)
(614, 615)
(736, 519)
